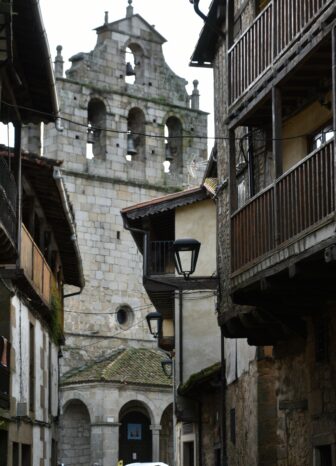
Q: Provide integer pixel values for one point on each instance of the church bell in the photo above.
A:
(131, 150)
(129, 70)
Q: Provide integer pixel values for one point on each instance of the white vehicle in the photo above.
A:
(156, 463)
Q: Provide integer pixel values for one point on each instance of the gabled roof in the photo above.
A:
(115, 27)
(163, 203)
(29, 67)
(131, 366)
(43, 176)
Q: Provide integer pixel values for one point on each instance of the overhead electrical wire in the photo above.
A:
(155, 136)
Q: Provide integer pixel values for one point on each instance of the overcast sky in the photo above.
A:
(70, 23)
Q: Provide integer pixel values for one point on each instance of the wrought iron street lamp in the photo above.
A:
(185, 255)
(154, 321)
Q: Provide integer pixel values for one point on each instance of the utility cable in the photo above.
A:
(158, 136)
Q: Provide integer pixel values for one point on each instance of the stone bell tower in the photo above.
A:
(128, 136)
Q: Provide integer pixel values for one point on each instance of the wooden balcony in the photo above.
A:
(266, 41)
(276, 223)
(8, 219)
(38, 279)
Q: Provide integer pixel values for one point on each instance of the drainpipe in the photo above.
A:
(181, 336)
(223, 404)
(145, 234)
(205, 18)
(57, 175)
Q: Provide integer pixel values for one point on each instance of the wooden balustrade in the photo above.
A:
(272, 31)
(35, 266)
(305, 195)
(298, 201)
(253, 229)
(292, 17)
(252, 54)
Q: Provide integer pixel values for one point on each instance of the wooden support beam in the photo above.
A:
(277, 130)
(232, 172)
(333, 93)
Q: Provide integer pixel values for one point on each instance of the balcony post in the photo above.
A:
(277, 151)
(232, 171)
(229, 42)
(333, 98)
(17, 174)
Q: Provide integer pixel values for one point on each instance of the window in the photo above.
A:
(125, 316)
(322, 136)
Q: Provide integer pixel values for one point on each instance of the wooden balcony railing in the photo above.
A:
(251, 55)
(297, 201)
(8, 200)
(161, 258)
(273, 30)
(35, 266)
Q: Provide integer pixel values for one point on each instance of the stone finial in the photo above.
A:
(59, 62)
(106, 17)
(195, 96)
(129, 9)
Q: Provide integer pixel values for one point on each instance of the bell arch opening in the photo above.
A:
(173, 145)
(96, 130)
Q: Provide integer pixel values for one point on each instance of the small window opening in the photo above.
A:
(7, 134)
(323, 456)
(125, 316)
(321, 137)
(118, 234)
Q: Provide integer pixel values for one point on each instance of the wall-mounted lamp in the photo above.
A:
(154, 321)
(185, 256)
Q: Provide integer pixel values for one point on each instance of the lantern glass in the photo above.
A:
(154, 321)
(185, 255)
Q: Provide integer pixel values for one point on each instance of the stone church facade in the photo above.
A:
(127, 135)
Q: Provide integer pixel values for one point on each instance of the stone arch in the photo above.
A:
(135, 61)
(96, 133)
(166, 435)
(136, 127)
(75, 434)
(135, 436)
(174, 144)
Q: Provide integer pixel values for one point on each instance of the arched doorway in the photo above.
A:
(135, 436)
(75, 435)
(167, 436)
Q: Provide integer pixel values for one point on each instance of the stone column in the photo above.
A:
(104, 443)
(155, 428)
